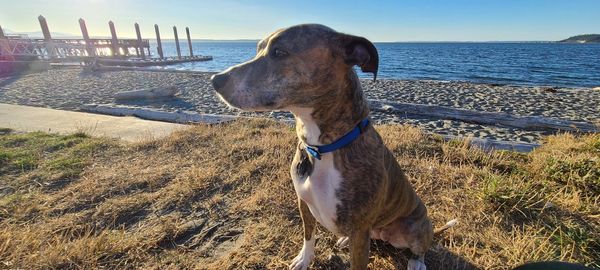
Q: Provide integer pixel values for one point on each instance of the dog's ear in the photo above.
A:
(361, 52)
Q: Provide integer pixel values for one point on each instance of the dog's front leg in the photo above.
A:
(302, 261)
(359, 249)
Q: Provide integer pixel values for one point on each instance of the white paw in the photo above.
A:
(343, 242)
(306, 255)
(414, 264)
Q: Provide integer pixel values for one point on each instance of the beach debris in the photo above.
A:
(596, 88)
(153, 93)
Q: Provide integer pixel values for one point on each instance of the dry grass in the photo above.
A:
(220, 197)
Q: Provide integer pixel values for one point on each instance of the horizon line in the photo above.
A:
(62, 35)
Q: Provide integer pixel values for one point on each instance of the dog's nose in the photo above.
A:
(219, 80)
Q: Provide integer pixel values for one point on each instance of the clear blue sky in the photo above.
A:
(410, 20)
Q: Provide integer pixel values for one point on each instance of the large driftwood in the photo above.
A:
(537, 123)
(161, 92)
(192, 117)
(150, 114)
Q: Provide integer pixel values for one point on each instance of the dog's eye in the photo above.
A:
(279, 53)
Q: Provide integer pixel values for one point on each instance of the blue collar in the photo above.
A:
(316, 151)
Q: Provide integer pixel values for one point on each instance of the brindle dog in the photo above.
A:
(357, 192)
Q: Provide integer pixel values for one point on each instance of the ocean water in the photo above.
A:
(547, 64)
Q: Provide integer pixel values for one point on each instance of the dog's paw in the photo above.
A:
(414, 264)
(301, 261)
(306, 255)
(343, 242)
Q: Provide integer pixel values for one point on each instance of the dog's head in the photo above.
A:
(294, 67)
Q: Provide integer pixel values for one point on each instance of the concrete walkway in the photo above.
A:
(26, 118)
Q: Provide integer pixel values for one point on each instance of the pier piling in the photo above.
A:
(47, 36)
(139, 39)
(177, 42)
(114, 41)
(45, 29)
(158, 42)
(187, 32)
(88, 43)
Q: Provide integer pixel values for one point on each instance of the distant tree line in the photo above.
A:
(589, 38)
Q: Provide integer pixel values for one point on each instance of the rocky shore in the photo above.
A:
(70, 89)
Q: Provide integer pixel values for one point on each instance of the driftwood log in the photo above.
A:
(161, 92)
(537, 123)
(150, 114)
(192, 117)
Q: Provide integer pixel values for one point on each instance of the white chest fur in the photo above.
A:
(319, 191)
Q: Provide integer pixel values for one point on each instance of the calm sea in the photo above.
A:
(553, 64)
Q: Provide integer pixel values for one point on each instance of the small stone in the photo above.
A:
(524, 139)
(447, 124)
(387, 108)
(549, 89)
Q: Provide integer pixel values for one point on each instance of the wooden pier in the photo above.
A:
(112, 51)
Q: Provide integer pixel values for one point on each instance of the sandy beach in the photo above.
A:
(70, 89)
